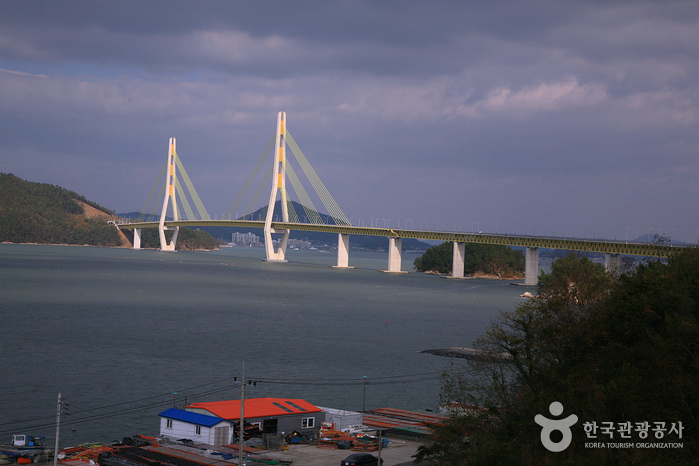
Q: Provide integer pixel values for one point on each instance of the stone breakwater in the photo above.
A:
(469, 353)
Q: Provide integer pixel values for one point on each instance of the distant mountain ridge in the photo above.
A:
(369, 243)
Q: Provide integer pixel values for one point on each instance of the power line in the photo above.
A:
(77, 419)
(387, 380)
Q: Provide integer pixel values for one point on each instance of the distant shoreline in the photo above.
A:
(477, 275)
(96, 246)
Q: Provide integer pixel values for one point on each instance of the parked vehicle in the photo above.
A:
(360, 459)
(24, 446)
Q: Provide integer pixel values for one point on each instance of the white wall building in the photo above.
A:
(342, 419)
(200, 428)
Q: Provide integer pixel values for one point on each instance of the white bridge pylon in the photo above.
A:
(175, 200)
(278, 187)
(170, 197)
(173, 190)
(280, 170)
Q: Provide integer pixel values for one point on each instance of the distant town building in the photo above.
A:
(299, 243)
(244, 239)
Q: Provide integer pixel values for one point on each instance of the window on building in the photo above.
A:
(197, 430)
(269, 426)
(169, 424)
(308, 422)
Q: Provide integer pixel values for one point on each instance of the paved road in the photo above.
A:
(398, 452)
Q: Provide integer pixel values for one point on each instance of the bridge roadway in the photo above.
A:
(612, 249)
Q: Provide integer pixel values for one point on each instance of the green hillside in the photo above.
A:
(47, 214)
(43, 213)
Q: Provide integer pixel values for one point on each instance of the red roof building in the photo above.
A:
(271, 415)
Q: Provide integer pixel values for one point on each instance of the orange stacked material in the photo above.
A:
(365, 443)
(235, 448)
(329, 433)
(154, 441)
(327, 444)
(414, 422)
(85, 452)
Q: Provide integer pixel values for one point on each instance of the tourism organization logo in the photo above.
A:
(548, 426)
(605, 430)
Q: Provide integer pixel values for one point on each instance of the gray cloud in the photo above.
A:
(577, 115)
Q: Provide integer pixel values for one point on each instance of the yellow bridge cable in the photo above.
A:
(189, 214)
(293, 217)
(233, 209)
(311, 212)
(325, 197)
(203, 214)
(158, 182)
(259, 192)
(311, 175)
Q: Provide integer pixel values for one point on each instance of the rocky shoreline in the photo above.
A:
(487, 276)
(469, 353)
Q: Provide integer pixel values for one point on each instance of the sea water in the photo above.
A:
(124, 334)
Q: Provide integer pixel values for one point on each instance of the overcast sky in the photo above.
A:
(575, 118)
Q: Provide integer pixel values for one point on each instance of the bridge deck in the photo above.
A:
(569, 244)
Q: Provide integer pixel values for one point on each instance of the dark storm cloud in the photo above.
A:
(379, 37)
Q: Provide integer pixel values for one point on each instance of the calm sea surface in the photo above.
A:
(118, 331)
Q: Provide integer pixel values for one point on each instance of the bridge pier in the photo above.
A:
(280, 254)
(137, 238)
(164, 245)
(612, 262)
(457, 269)
(342, 250)
(395, 245)
(531, 267)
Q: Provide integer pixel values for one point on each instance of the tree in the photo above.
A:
(478, 258)
(187, 239)
(574, 280)
(43, 213)
(610, 349)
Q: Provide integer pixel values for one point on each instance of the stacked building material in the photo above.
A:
(414, 423)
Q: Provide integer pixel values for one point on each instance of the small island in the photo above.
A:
(480, 261)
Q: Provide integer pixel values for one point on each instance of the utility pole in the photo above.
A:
(59, 408)
(364, 401)
(242, 418)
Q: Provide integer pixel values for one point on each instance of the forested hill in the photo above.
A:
(488, 259)
(43, 213)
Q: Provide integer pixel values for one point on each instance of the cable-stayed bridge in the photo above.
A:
(177, 211)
